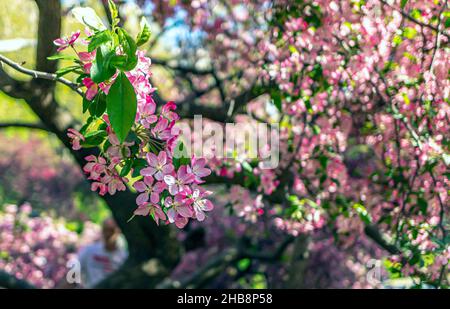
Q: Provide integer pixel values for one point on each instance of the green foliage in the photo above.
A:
(89, 18)
(129, 49)
(276, 99)
(101, 69)
(98, 39)
(363, 213)
(62, 57)
(94, 138)
(114, 13)
(121, 104)
(180, 155)
(144, 35)
(67, 70)
(403, 3)
(126, 168)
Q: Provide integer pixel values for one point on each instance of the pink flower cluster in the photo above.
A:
(186, 199)
(169, 188)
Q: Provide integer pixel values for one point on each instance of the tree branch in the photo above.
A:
(40, 75)
(38, 126)
(217, 264)
(11, 86)
(9, 281)
(409, 17)
(180, 68)
(375, 234)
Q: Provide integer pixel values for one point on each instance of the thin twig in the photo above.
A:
(40, 75)
(407, 16)
(26, 125)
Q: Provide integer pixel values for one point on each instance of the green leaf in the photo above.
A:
(85, 127)
(446, 158)
(276, 99)
(101, 69)
(62, 57)
(98, 39)
(138, 165)
(243, 264)
(114, 13)
(247, 167)
(129, 49)
(293, 49)
(409, 33)
(423, 205)
(403, 3)
(180, 155)
(126, 168)
(121, 104)
(66, 70)
(86, 104)
(93, 139)
(144, 35)
(98, 106)
(88, 17)
(362, 212)
(118, 60)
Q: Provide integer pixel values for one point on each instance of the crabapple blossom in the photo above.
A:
(65, 42)
(146, 151)
(158, 166)
(179, 182)
(149, 190)
(76, 138)
(198, 169)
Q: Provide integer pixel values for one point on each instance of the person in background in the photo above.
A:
(103, 257)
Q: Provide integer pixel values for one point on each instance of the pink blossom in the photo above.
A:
(87, 59)
(179, 210)
(154, 210)
(117, 150)
(103, 188)
(115, 183)
(180, 182)
(95, 167)
(158, 166)
(162, 129)
(65, 42)
(167, 111)
(198, 169)
(76, 137)
(149, 190)
(146, 114)
(92, 88)
(201, 204)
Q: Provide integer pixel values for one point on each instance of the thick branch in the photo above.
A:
(8, 281)
(11, 86)
(26, 125)
(188, 107)
(181, 68)
(218, 263)
(373, 233)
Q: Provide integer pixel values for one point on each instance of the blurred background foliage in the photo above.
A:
(35, 167)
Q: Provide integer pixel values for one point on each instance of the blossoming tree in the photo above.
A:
(359, 90)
